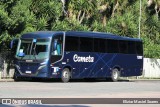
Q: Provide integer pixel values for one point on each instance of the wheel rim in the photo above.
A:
(65, 75)
(115, 74)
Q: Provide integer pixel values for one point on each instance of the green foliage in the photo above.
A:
(120, 17)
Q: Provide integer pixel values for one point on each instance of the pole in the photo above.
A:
(140, 15)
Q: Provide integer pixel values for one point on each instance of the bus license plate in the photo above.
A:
(28, 72)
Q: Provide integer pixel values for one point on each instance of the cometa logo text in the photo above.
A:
(77, 58)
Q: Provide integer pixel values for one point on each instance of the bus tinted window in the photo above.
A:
(123, 46)
(99, 45)
(113, 46)
(102, 45)
(139, 48)
(86, 44)
(96, 45)
(131, 47)
(72, 43)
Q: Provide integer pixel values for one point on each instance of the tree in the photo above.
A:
(115, 16)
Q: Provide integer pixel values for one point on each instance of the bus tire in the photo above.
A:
(16, 79)
(115, 75)
(66, 75)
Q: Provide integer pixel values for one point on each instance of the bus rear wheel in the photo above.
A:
(66, 75)
(115, 75)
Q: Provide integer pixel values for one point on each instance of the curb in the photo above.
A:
(144, 79)
(12, 80)
(6, 80)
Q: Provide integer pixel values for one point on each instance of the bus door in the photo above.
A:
(56, 54)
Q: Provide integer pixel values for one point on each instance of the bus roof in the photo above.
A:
(47, 34)
(40, 34)
(100, 35)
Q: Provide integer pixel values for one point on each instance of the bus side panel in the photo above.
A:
(83, 66)
(88, 68)
(102, 65)
(130, 65)
(134, 66)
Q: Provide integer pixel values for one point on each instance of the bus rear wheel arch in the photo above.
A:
(115, 74)
(66, 75)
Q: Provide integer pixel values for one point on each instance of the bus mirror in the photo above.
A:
(14, 43)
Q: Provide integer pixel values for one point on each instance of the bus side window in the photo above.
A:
(102, 45)
(96, 45)
(57, 47)
(86, 44)
(72, 43)
(54, 47)
(131, 47)
(58, 50)
(139, 48)
(113, 46)
(123, 46)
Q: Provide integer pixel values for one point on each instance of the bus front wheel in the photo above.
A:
(115, 75)
(16, 79)
(65, 75)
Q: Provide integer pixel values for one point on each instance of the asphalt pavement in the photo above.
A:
(81, 89)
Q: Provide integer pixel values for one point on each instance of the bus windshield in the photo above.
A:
(34, 49)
